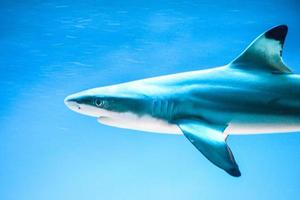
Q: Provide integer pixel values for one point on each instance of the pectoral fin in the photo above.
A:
(208, 139)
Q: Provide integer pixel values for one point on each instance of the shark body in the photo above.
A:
(255, 93)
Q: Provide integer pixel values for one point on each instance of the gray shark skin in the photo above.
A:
(254, 94)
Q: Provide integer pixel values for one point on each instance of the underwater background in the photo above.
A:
(50, 49)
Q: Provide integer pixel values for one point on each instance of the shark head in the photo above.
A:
(105, 102)
(129, 106)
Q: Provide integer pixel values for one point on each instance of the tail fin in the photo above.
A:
(264, 53)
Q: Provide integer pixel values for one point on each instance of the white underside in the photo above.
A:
(144, 123)
(260, 124)
(255, 124)
(150, 124)
(260, 128)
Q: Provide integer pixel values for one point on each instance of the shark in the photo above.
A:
(256, 93)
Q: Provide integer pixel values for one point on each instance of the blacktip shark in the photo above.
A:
(256, 93)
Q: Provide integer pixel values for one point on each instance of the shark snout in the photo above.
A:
(82, 103)
(72, 102)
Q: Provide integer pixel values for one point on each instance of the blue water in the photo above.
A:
(51, 49)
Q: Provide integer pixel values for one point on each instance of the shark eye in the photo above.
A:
(98, 102)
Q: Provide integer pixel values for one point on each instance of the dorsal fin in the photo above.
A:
(264, 53)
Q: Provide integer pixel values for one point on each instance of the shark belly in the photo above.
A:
(261, 124)
(244, 125)
(146, 123)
